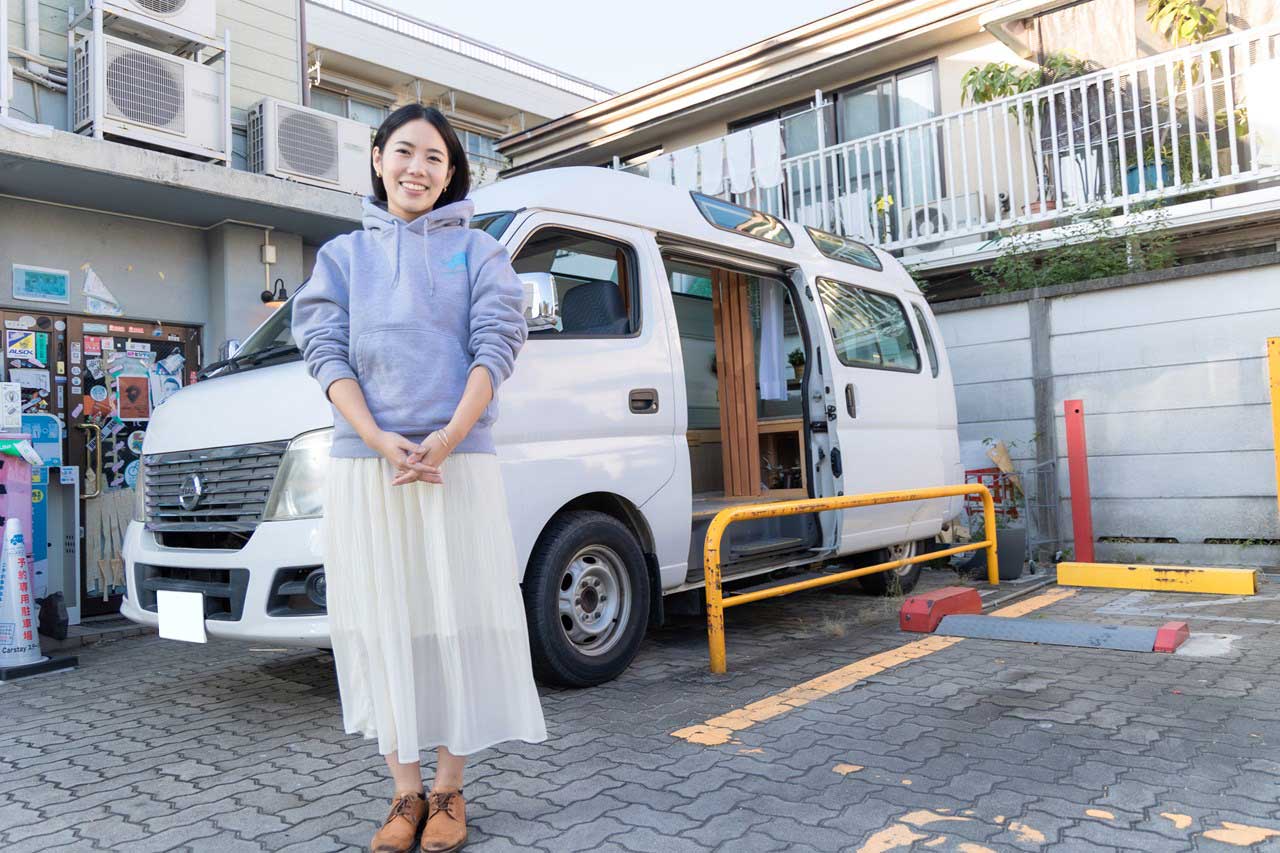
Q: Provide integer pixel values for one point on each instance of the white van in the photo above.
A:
(685, 354)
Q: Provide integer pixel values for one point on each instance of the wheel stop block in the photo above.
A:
(1170, 636)
(922, 613)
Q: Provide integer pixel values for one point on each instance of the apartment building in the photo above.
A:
(168, 169)
(860, 123)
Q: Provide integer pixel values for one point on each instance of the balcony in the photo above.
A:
(1195, 132)
(416, 28)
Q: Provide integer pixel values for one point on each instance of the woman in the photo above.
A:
(410, 326)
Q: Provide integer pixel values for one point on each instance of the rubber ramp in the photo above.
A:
(1117, 637)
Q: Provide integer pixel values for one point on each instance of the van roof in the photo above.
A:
(635, 200)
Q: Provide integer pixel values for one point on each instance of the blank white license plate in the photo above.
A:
(181, 615)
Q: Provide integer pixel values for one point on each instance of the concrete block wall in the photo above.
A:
(1172, 370)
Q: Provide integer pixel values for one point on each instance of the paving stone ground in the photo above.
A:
(153, 745)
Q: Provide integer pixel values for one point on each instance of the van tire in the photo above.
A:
(593, 552)
(897, 581)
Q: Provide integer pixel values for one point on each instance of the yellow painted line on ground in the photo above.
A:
(1160, 578)
(719, 730)
(1031, 605)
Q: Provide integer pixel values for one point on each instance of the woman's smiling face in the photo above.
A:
(415, 168)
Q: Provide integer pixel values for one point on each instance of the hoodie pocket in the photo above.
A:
(412, 379)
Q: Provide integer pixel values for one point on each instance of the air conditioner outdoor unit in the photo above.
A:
(302, 144)
(150, 97)
(199, 17)
(937, 218)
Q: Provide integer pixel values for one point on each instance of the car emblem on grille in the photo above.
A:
(191, 492)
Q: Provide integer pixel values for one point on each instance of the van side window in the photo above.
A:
(582, 285)
(869, 329)
(928, 340)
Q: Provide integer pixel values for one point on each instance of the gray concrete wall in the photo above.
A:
(1172, 370)
(211, 278)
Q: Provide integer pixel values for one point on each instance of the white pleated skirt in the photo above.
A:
(425, 612)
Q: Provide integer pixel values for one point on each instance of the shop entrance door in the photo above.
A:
(118, 372)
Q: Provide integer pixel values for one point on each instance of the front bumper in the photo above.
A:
(274, 546)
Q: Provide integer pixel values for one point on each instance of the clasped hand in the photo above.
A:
(412, 462)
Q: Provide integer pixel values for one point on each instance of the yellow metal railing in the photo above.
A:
(716, 602)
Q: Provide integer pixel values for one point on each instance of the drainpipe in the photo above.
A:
(4, 58)
(304, 76)
(31, 34)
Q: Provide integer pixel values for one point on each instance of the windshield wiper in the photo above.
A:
(206, 372)
(264, 354)
(249, 358)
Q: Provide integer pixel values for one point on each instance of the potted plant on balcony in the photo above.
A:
(983, 84)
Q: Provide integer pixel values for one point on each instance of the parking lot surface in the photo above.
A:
(832, 731)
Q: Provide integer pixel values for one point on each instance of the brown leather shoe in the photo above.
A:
(400, 830)
(446, 828)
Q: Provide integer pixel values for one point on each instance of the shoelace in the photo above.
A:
(402, 806)
(441, 800)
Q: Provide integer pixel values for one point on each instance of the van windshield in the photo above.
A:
(272, 342)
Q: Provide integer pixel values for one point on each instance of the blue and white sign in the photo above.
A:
(46, 437)
(41, 284)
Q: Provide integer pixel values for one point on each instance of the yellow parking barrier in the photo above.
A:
(716, 602)
(1215, 581)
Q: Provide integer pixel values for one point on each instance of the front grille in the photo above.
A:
(223, 589)
(235, 483)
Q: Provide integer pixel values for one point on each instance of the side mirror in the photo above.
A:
(541, 305)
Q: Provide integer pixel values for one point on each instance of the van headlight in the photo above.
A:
(140, 493)
(298, 491)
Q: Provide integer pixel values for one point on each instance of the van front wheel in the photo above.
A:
(586, 598)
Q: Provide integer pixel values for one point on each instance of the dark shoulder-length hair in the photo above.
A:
(461, 183)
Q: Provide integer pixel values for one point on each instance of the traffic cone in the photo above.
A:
(19, 643)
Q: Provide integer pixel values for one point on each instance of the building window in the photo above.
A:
(348, 107)
(480, 147)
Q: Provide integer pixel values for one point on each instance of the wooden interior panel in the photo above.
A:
(735, 375)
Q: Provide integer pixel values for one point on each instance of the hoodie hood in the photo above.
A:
(378, 218)
(390, 229)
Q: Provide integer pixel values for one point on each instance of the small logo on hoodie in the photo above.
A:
(457, 262)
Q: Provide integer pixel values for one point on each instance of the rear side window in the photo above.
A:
(928, 339)
(870, 329)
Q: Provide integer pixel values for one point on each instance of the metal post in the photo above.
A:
(97, 70)
(227, 141)
(1078, 467)
(989, 528)
(1273, 368)
(715, 599)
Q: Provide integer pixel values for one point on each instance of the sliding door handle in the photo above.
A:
(850, 401)
(644, 401)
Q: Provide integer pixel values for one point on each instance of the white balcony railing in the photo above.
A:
(1155, 130)
(1165, 130)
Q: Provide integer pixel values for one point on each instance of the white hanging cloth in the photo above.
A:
(855, 211)
(737, 147)
(684, 164)
(712, 156)
(773, 361)
(766, 144)
(660, 169)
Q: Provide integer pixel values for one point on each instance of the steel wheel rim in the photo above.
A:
(594, 600)
(901, 551)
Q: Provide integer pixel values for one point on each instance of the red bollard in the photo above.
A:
(1078, 469)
